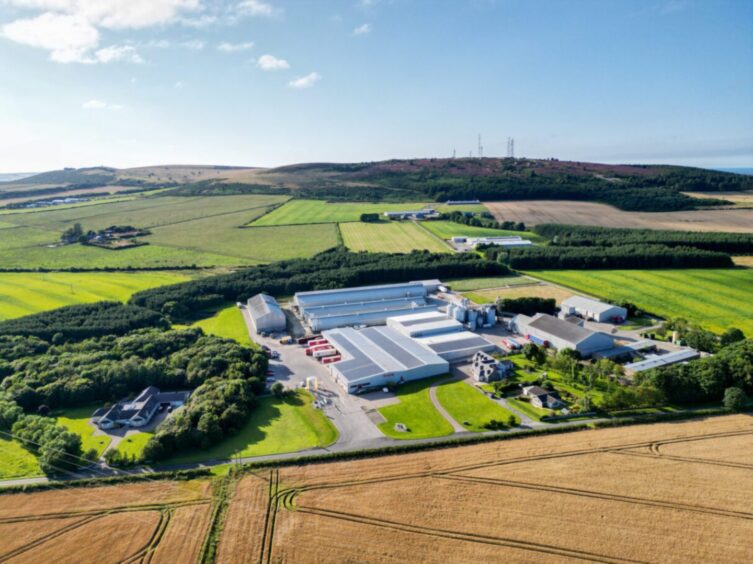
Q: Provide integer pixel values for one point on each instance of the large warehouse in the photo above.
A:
(266, 314)
(546, 330)
(594, 310)
(377, 356)
(365, 305)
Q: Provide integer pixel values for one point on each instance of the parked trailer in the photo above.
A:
(324, 352)
(316, 342)
(311, 350)
(511, 344)
(331, 359)
(307, 339)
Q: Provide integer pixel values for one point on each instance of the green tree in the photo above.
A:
(734, 398)
(278, 389)
(731, 335)
(534, 353)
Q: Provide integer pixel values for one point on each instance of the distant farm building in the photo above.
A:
(661, 360)
(378, 356)
(365, 305)
(266, 314)
(426, 213)
(593, 310)
(511, 241)
(139, 411)
(546, 330)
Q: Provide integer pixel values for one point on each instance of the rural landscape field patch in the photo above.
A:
(530, 499)
(300, 212)
(714, 298)
(392, 237)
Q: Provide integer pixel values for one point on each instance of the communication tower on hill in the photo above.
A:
(480, 148)
(510, 148)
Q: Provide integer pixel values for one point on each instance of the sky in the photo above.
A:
(270, 82)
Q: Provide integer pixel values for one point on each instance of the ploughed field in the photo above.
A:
(533, 212)
(668, 492)
(714, 298)
(153, 521)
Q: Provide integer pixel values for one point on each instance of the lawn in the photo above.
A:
(276, 426)
(390, 237)
(470, 407)
(416, 411)
(16, 461)
(449, 229)
(715, 298)
(26, 293)
(227, 323)
(133, 444)
(525, 407)
(77, 421)
(300, 212)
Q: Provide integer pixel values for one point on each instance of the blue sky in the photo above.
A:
(270, 82)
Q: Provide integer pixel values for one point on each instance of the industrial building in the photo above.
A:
(659, 361)
(593, 310)
(377, 356)
(426, 213)
(506, 241)
(424, 324)
(365, 305)
(455, 347)
(266, 314)
(546, 330)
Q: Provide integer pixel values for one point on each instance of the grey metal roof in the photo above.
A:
(658, 361)
(262, 304)
(427, 319)
(415, 287)
(460, 344)
(589, 304)
(559, 328)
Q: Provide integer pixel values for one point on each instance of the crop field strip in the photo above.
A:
(286, 498)
(392, 237)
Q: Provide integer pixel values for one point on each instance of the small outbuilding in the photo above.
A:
(593, 310)
(266, 314)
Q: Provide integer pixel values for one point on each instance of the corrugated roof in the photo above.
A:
(262, 304)
(658, 361)
(559, 328)
(589, 304)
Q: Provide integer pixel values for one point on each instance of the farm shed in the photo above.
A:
(456, 346)
(266, 313)
(658, 361)
(377, 356)
(366, 305)
(547, 330)
(424, 324)
(594, 310)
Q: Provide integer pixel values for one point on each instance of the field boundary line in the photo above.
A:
(468, 537)
(435, 236)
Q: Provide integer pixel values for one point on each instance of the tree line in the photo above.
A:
(483, 220)
(332, 269)
(592, 236)
(624, 256)
(82, 321)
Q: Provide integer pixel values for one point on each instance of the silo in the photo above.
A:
(472, 319)
(491, 316)
(460, 312)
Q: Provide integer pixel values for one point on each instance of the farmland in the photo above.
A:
(416, 411)
(449, 229)
(300, 212)
(227, 323)
(470, 407)
(16, 461)
(392, 237)
(504, 501)
(26, 293)
(533, 212)
(714, 298)
(519, 291)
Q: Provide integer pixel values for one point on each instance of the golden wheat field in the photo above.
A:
(669, 492)
(666, 492)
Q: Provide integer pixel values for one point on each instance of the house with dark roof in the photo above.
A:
(542, 398)
(139, 411)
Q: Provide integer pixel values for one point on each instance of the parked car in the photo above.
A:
(275, 355)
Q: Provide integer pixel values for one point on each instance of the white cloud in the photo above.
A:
(235, 47)
(256, 8)
(115, 53)
(363, 29)
(100, 105)
(271, 63)
(194, 44)
(67, 38)
(305, 81)
(69, 29)
(178, 85)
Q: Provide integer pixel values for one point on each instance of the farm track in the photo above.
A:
(145, 553)
(37, 542)
(286, 497)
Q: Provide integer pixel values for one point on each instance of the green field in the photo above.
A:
(77, 421)
(300, 212)
(390, 237)
(449, 229)
(16, 461)
(714, 298)
(25, 293)
(470, 407)
(227, 323)
(275, 426)
(416, 411)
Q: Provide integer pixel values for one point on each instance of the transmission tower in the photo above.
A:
(480, 148)
(510, 148)
(453, 153)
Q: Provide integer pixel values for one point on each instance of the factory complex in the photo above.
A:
(508, 241)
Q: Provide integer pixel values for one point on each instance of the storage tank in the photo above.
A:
(472, 319)
(451, 311)
(460, 313)
(491, 316)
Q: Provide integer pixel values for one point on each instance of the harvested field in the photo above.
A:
(532, 212)
(244, 526)
(741, 199)
(529, 291)
(158, 521)
(608, 495)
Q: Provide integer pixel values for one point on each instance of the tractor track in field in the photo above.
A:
(144, 554)
(600, 495)
(467, 537)
(50, 536)
(265, 552)
(691, 460)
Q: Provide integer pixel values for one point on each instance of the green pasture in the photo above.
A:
(390, 237)
(275, 426)
(470, 407)
(93, 202)
(299, 212)
(77, 420)
(416, 411)
(714, 298)
(450, 229)
(227, 323)
(16, 461)
(31, 292)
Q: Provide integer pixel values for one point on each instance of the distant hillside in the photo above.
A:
(629, 187)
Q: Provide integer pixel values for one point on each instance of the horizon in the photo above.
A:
(267, 83)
